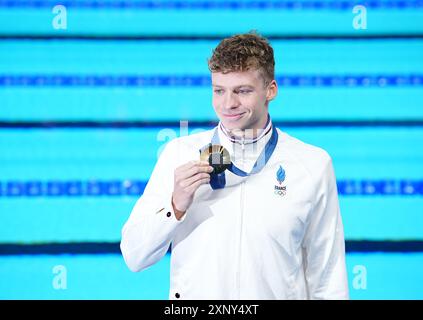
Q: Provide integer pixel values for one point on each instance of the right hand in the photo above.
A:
(187, 179)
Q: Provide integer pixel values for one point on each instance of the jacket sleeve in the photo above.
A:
(324, 244)
(147, 234)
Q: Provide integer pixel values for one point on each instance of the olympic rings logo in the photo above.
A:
(280, 192)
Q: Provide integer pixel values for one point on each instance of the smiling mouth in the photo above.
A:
(233, 116)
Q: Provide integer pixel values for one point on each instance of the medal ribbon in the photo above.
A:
(218, 181)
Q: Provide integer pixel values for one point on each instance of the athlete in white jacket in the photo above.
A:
(268, 227)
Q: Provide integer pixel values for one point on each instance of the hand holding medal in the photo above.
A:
(187, 179)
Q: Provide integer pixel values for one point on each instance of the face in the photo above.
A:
(240, 99)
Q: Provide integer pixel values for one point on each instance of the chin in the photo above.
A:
(240, 124)
(233, 125)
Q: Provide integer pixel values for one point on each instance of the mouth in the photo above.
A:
(233, 116)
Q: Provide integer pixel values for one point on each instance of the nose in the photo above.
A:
(231, 101)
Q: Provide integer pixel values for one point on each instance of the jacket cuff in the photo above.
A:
(167, 215)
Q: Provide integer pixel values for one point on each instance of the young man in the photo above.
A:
(267, 227)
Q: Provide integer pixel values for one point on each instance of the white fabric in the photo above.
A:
(244, 241)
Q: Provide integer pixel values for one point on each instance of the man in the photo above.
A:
(269, 226)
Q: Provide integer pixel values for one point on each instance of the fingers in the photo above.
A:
(196, 170)
(199, 176)
(192, 188)
(192, 163)
(187, 179)
(191, 169)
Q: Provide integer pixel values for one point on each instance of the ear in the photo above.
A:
(272, 90)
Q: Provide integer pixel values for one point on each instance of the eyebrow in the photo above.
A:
(237, 87)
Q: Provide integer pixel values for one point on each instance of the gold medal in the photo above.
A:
(217, 156)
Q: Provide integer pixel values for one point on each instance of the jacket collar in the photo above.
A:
(244, 153)
(261, 133)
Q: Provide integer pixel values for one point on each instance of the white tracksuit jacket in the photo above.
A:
(258, 238)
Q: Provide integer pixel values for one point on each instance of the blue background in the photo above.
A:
(85, 111)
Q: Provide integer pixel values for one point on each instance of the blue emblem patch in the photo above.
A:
(280, 175)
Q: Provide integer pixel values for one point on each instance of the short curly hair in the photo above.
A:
(242, 52)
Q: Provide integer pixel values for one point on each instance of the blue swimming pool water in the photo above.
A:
(341, 76)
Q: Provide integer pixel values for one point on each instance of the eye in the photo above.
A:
(244, 91)
(218, 91)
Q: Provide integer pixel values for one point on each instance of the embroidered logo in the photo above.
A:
(280, 177)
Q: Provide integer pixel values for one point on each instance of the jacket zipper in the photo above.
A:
(238, 280)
